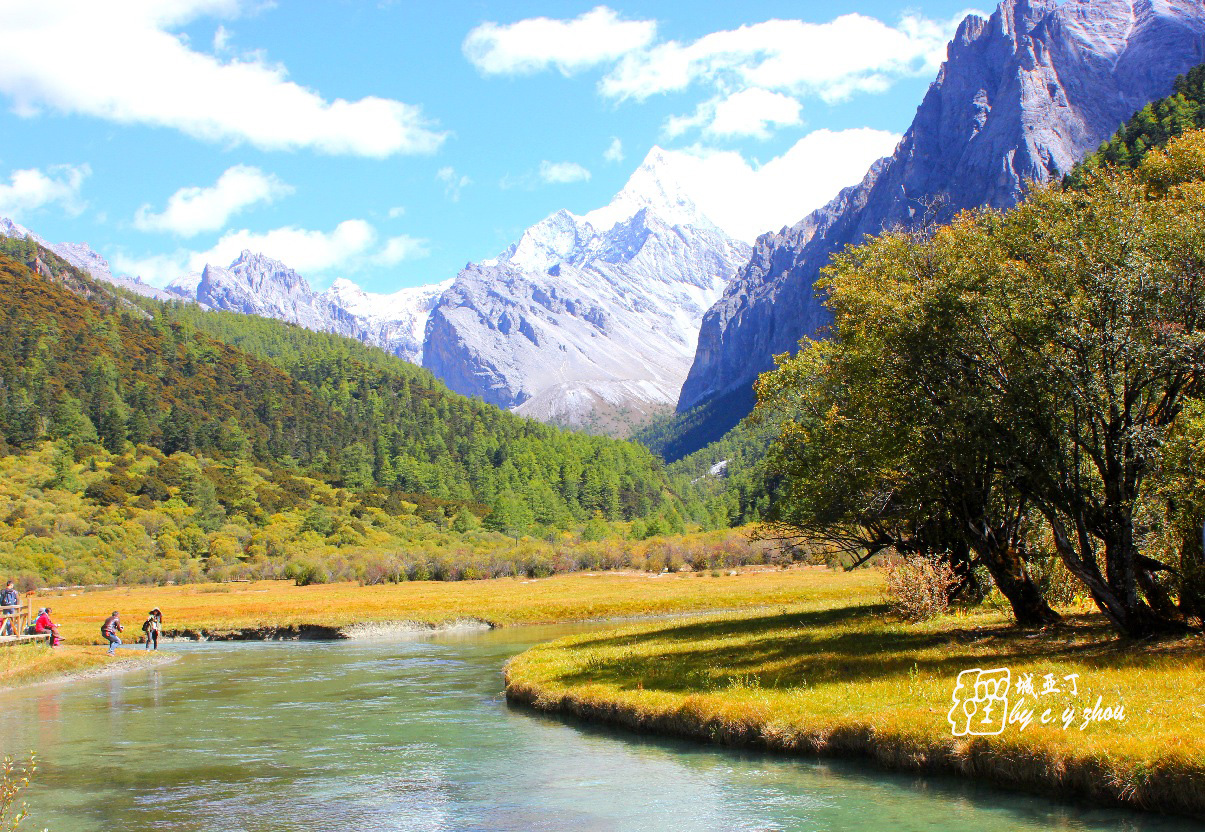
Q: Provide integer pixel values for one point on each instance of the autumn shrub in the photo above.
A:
(106, 493)
(14, 780)
(307, 573)
(918, 588)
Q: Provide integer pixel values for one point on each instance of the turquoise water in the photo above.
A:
(415, 735)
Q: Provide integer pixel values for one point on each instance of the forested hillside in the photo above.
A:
(242, 417)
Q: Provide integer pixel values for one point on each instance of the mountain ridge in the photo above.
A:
(588, 316)
(1023, 95)
(82, 257)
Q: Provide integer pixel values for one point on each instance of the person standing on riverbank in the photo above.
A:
(110, 629)
(152, 626)
(10, 605)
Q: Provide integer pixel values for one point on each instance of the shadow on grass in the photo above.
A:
(846, 644)
(723, 628)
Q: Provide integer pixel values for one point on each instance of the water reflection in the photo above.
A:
(414, 735)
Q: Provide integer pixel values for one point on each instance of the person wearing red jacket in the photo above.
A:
(43, 624)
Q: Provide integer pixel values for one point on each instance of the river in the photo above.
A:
(415, 735)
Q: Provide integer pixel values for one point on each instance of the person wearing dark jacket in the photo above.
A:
(10, 604)
(110, 629)
(152, 626)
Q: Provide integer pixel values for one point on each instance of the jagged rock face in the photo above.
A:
(86, 260)
(258, 285)
(589, 316)
(1022, 96)
(396, 322)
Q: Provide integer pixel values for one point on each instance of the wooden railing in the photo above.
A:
(15, 619)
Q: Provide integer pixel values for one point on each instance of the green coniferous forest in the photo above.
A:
(1150, 127)
(149, 441)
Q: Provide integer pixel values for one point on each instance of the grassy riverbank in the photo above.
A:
(28, 664)
(841, 677)
(282, 606)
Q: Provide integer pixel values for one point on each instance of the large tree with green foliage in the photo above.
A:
(875, 453)
(1033, 359)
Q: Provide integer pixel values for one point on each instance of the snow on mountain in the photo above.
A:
(86, 260)
(258, 285)
(652, 186)
(185, 284)
(1022, 96)
(397, 321)
(588, 320)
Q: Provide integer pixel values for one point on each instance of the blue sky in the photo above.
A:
(392, 142)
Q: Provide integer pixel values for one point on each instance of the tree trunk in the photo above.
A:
(1008, 571)
(1145, 616)
(1132, 616)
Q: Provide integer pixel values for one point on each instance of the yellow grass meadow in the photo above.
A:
(842, 676)
(280, 605)
(26, 664)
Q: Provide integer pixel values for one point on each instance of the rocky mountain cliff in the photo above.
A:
(1022, 96)
(258, 285)
(588, 320)
(85, 259)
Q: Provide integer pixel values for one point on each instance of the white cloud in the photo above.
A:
(305, 250)
(562, 173)
(402, 247)
(756, 73)
(454, 183)
(193, 210)
(124, 63)
(30, 189)
(156, 269)
(348, 247)
(748, 113)
(614, 151)
(832, 60)
(221, 40)
(747, 200)
(397, 211)
(595, 37)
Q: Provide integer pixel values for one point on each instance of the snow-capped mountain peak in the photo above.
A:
(8, 228)
(556, 239)
(653, 195)
(343, 289)
(657, 186)
(588, 318)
